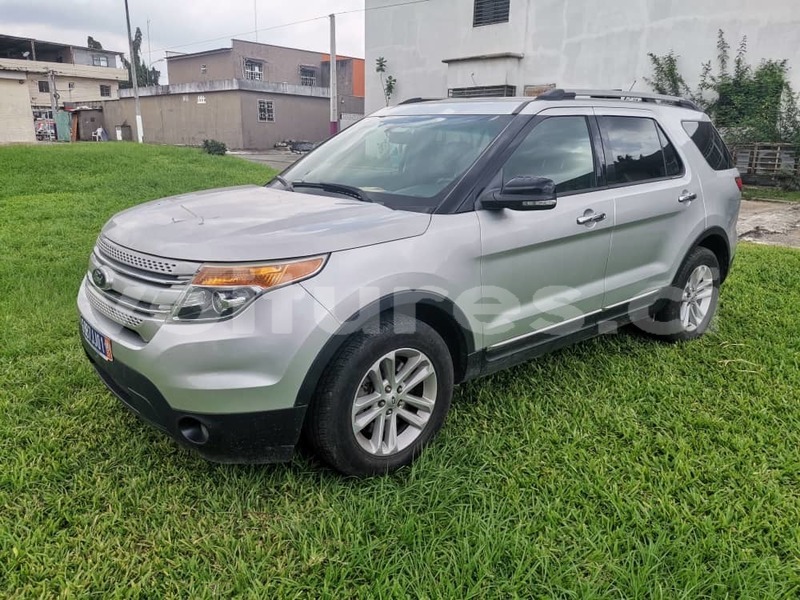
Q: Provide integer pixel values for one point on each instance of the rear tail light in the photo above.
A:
(739, 183)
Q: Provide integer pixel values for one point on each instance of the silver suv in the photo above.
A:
(430, 243)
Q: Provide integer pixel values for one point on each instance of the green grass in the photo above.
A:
(618, 468)
(754, 192)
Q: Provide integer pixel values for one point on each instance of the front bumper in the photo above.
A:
(229, 390)
(260, 437)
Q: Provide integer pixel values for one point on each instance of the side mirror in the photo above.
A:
(522, 193)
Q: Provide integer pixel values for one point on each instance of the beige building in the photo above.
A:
(35, 74)
(249, 96)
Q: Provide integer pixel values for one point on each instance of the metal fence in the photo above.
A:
(760, 163)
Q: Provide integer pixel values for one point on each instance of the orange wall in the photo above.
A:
(359, 72)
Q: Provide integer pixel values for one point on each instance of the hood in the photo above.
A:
(251, 223)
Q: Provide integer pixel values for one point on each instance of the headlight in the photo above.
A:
(221, 291)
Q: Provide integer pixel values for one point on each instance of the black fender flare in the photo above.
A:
(417, 303)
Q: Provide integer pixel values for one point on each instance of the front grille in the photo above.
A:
(134, 259)
(113, 313)
(144, 288)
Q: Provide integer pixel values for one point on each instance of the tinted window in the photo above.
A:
(634, 150)
(558, 148)
(710, 144)
(671, 158)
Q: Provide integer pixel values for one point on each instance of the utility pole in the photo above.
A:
(51, 76)
(149, 53)
(334, 91)
(255, 18)
(139, 131)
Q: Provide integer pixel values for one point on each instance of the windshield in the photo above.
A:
(405, 162)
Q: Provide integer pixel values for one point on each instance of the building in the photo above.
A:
(35, 74)
(518, 47)
(249, 96)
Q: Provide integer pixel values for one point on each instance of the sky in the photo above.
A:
(187, 25)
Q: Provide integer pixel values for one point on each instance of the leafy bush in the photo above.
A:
(214, 147)
(788, 181)
(750, 103)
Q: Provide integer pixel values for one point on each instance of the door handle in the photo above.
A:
(686, 197)
(592, 218)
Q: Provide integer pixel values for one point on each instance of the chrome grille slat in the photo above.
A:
(125, 303)
(111, 312)
(142, 289)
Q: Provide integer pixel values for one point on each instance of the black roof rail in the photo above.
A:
(559, 94)
(416, 100)
(556, 94)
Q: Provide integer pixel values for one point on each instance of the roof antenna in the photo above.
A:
(633, 84)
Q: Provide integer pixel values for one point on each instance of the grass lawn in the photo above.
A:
(754, 192)
(617, 468)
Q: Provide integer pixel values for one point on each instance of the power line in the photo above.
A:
(235, 35)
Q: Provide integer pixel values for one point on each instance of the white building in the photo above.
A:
(466, 47)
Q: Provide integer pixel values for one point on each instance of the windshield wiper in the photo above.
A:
(289, 187)
(336, 188)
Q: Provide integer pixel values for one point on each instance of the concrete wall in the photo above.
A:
(296, 117)
(570, 43)
(181, 119)
(280, 64)
(66, 70)
(82, 56)
(16, 119)
(83, 90)
(219, 65)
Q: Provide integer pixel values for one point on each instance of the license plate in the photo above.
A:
(100, 343)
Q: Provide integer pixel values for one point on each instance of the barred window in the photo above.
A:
(266, 111)
(105, 91)
(253, 70)
(308, 76)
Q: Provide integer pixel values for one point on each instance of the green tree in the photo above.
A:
(749, 103)
(144, 76)
(388, 83)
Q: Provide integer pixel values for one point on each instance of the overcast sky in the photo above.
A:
(187, 25)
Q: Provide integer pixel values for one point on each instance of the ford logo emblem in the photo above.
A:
(102, 278)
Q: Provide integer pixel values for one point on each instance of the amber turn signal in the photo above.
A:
(262, 276)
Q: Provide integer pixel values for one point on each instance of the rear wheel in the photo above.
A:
(383, 397)
(692, 300)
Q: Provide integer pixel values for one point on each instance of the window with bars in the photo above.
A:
(253, 70)
(489, 12)
(484, 91)
(266, 111)
(308, 76)
(98, 60)
(44, 87)
(105, 91)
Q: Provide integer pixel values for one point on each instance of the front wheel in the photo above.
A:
(383, 397)
(691, 301)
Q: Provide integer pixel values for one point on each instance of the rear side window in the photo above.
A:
(637, 150)
(710, 144)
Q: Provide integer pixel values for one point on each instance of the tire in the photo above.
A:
(391, 344)
(696, 284)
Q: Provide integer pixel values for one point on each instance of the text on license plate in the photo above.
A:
(97, 340)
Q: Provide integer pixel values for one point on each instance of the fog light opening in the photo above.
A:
(193, 430)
